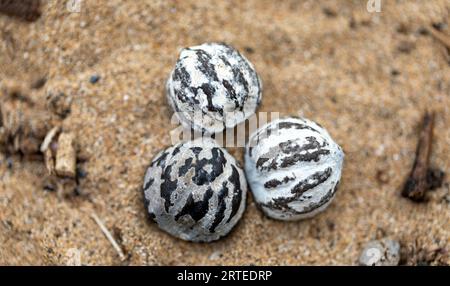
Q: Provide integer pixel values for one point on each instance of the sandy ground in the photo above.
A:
(366, 77)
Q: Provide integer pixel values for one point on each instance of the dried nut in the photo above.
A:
(293, 168)
(385, 252)
(213, 87)
(195, 191)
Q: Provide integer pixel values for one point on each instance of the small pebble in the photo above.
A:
(384, 252)
(81, 174)
(9, 163)
(94, 79)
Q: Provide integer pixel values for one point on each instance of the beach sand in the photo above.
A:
(366, 77)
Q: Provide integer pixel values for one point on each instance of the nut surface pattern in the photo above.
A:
(213, 87)
(293, 167)
(195, 191)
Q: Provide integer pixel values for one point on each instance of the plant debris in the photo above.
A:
(422, 178)
(28, 10)
(59, 103)
(24, 122)
(60, 158)
(66, 159)
(417, 253)
(109, 236)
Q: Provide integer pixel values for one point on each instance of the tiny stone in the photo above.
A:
(406, 47)
(9, 163)
(94, 79)
(38, 83)
(395, 72)
(49, 188)
(249, 50)
(329, 12)
(81, 174)
(384, 252)
(215, 255)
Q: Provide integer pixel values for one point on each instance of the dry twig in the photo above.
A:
(109, 236)
(422, 178)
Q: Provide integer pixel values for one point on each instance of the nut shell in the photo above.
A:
(213, 87)
(195, 191)
(293, 168)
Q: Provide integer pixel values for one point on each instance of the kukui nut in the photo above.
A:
(195, 191)
(293, 167)
(213, 87)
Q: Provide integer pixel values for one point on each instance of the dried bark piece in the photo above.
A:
(66, 156)
(28, 10)
(421, 178)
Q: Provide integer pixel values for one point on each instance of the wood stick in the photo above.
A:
(109, 236)
(417, 184)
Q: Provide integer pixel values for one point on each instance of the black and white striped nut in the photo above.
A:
(213, 87)
(293, 168)
(195, 191)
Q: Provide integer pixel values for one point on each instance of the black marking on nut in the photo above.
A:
(196, 210)
(294, 151)
(185, 168)
(221, 207)
(237, 196)
(317, 179)
(272, 184)
(303, 186)
(167, 187)
(205, 65)
(161, 160)
(148, 184)
(217, 163)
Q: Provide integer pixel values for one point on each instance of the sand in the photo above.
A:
(366, 77)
